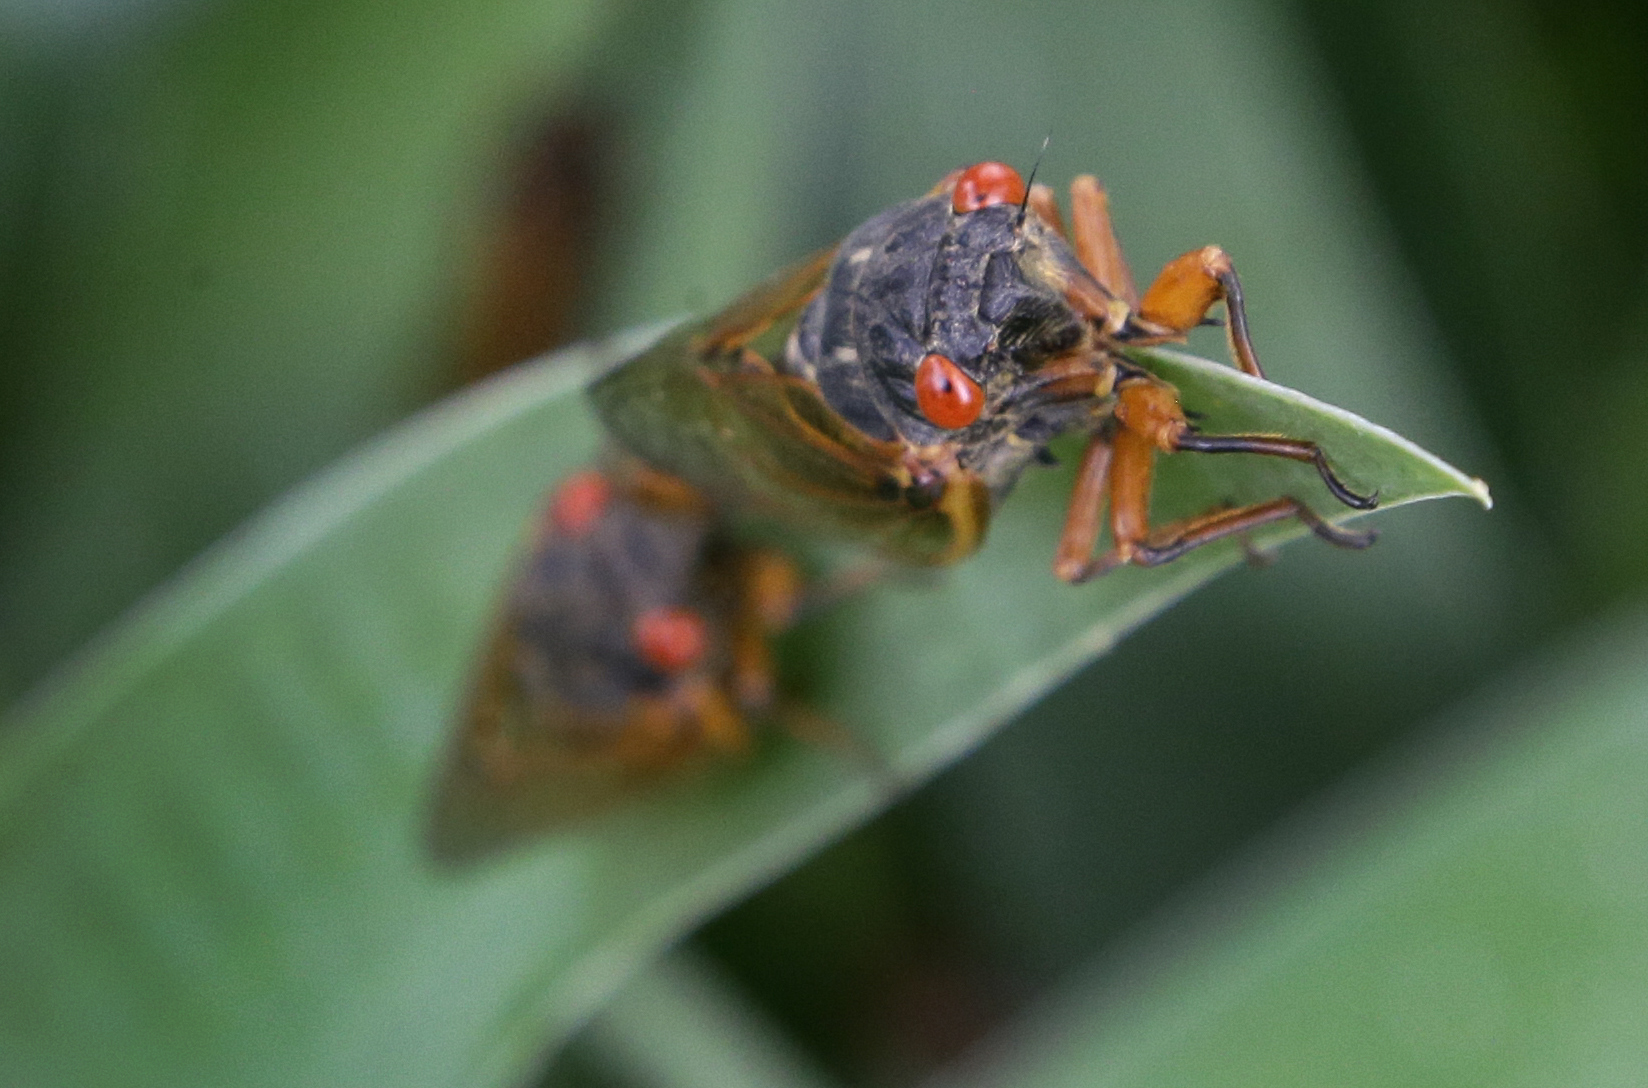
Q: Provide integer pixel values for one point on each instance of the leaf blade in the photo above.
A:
(1470, 913)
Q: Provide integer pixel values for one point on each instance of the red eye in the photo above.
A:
(945, 394)
(985, 184)
(670, 639)
(579, 503)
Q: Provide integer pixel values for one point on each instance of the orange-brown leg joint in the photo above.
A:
(772, 588)
(1149, 419)
(751, 669)
(661, 729)
(1150, 409)
(1130, 474)
(1131, 458)
(1187, 288)
(654, 733)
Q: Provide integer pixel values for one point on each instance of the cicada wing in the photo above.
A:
(501, 784)
(803, 462)
(773, 302)
(758, 440)
(671, 406)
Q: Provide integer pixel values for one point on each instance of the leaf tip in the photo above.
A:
(1479, 490)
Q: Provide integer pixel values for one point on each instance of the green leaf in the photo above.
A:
(1476, 913)
(212, 826)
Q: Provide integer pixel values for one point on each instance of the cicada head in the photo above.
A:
(959, 320)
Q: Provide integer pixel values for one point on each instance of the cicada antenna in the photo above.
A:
(1024, 205)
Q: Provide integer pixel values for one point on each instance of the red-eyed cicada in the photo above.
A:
(892, 390)
(634, 637)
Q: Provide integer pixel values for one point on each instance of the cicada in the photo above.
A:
(635, 636)
(893, 389)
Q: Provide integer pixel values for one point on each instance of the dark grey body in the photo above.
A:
(982, 289)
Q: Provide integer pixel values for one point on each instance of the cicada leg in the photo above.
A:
(1172, 541)
(1179, 298)
(696, 715)
(1107, 293)
(769, 597)
(1119, 463)
(1185, 291)
(1084, 518)
(1094, 239)
(821, 731)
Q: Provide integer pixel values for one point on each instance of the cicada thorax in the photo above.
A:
(938, 319)
(890, 394)
(633, 637)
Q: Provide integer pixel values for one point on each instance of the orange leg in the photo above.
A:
(1106, 293)
(1184, 292)
(660, 730)
(1130, 475)
(1084, 517)
(1095, 241)
(1148, 418)
(769, 597)
(810, 727)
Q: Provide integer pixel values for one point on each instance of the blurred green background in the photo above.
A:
(238, 237)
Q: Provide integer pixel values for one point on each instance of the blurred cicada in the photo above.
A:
(892, 390)
(634, 637)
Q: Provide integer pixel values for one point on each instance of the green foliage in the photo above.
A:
(1472, 914)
